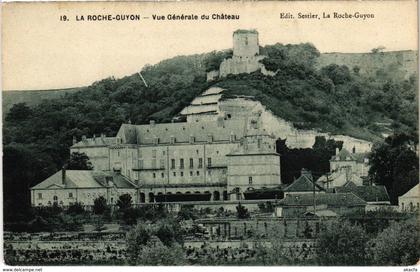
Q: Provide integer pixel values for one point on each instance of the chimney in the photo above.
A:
(94, 137)
(63, 175)
(102, 136)
(337, 151)
(74, 140)
(152, 123)
(84, 138)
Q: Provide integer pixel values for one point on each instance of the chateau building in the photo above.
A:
(213, 160)
(345, 167)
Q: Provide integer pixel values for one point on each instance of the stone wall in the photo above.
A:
(401, 63)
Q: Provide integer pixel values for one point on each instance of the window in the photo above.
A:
(191, 163)
(39, 195)
(163, 152)
(154, 153)
(172, 163)
(191, 173)
(141, 164)
(174, 174)
(70, 195)
(162, 163)
(55, 198)
(182, 174)
(154, 175)
(209, 162)
(163, 175)
(196, 151)
(198, 173)
(209, 173)
(181, 163)
(154, 163)
(250, 180)
(200, 163)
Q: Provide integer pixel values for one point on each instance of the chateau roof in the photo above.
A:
(367, 193)
(84, 179)
(303, 184)
(97, 141)
(329, 199)
(220, 130)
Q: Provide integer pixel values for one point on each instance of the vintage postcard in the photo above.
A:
(210, 134)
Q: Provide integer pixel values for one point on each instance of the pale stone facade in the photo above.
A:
(83, 186)
(148, 161)
(410, 201)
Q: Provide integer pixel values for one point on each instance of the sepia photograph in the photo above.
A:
(210, 134)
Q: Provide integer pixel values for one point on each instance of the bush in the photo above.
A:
(76, 208)
(399, 244)
(242, 212)
(124, 202)
(342, 243)
(99, 205)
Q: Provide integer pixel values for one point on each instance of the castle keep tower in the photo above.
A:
(245, 43)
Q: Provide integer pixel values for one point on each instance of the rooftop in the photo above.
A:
(95, 141)
(367, 193)
(220, 130)
(329, 199)
(304, 183)
(84, 179)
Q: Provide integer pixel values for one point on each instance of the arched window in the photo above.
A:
(142, 197)
(55, 198)
(151, 197)
(216, 195)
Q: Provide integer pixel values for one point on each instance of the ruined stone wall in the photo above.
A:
(401, 63)
(245, 44)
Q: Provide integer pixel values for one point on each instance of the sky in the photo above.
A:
(41, 52)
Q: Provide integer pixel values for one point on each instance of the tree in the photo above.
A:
(156, 253)
(378, 49)
(76, 208)
(79, 161)
(341, 243)
(394, 164)
(242, 212)
(99, 205)
(399, 244)
(137, 237)
(169, 232)
(124, 202)
(187, 212)
(338, 74)
(18, 112)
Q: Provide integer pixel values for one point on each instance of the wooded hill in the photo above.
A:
(335, 99)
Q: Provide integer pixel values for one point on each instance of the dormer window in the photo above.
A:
(172, 139)
(209, 138)
(192, 139)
